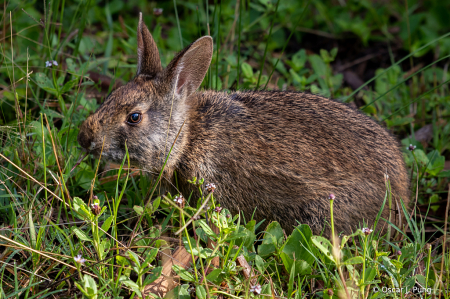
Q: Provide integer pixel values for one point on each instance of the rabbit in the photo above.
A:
(273, 155)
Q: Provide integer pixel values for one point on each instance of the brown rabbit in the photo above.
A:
(281, 153)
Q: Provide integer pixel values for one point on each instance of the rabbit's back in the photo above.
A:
(283, 153)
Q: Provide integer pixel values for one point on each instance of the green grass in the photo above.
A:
(47, 191)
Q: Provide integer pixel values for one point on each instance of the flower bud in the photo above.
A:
(95, 207)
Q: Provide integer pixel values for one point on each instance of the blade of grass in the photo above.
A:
(43, 156)
(218, 45)
(82, 23)
(178, 23)
(239, 46)
(420, 97)
(445, 238)
(287, 41)
(267, 45)
(397, 63)
(406, 79)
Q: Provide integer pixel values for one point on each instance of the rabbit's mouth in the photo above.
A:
(96, 151)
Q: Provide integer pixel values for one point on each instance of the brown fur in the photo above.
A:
(282, 153)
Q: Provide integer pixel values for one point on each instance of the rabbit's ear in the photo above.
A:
(187, 70)
(148, 55)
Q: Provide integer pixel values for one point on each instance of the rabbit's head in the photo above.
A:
(146, 115)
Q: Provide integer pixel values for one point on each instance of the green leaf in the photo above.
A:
(81, 208)
(247, 70)
(291, 281)
(298, 244)
(410, 282)
(45, 83)
(131, 284)
(444, 174)
(200, 251)
(333, 53)
(81, 234)
(90, 283)
(422, 159)
(52, 113)
(134, 257)
(276, 233)
(299, 60)
(122, 261)
(390, 270)
(422, 280)
(156, 203)
(434, 198)
(32, 229)
(183, 273)
(105, 244)
(248, 240)
(318, 65)
(296, 251)
(105, 226)
(354, 260)
(370, 274)
(156, 273)
(397, 264)
(139, 210)
(260, 264)
(201, 292)
(71, 65)
(270, 243)
(324, 246)
(215, 276)
(151, 256)
(207, 229)
(68, 86)
(437, 162)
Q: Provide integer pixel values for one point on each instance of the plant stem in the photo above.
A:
(43, 156)
(178, 23)
(363, 266)
(267, 45)
(238, 69)
(190, 246)
(428, 267)
(332, 221)
(218, 45)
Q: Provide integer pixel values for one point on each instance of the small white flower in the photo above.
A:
(79, 259)
(179, 199)
(367, 230)
(210, 187)
(256, 289)
(411, 147)
(48, 64)
(157, 11)
(55, 63)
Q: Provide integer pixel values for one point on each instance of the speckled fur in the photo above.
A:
(281, 153)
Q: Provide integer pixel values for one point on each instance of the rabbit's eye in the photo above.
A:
(134, 118)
